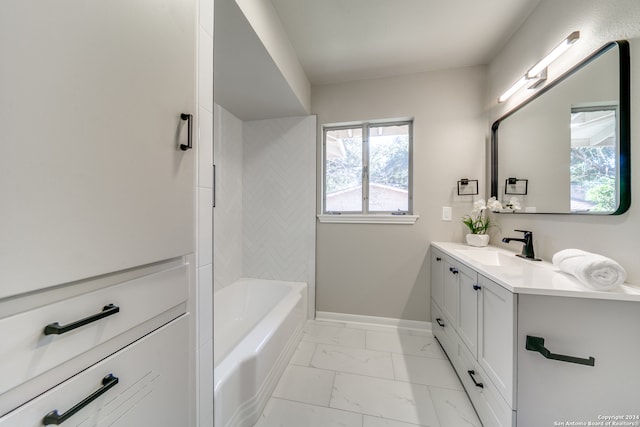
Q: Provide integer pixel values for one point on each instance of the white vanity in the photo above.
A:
(496, 314)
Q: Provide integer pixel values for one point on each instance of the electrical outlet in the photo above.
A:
(446, 213)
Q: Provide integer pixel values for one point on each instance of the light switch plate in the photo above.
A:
(446, 213)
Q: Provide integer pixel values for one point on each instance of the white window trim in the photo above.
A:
(368, 219)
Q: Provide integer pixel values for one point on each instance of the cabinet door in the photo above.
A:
(553, 390)
(450, 294)
(467, 322)
(437, 278)
(92, 178)
(152, 387)
(496, 340)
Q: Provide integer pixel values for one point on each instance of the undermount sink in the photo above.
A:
(490, 257)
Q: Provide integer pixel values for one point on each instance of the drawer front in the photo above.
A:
(492, 409)
(442, 330)
(26, 352)
(152, 387)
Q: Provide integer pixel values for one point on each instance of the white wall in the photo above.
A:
(204, 221)
(380, 270)
(227, 222)
(265, 22)
(599, 21)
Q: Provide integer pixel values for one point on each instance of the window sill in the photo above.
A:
(368, 219)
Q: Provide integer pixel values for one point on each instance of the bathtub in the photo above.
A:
(257, 327)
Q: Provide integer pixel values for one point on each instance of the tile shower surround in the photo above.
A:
(357, 376)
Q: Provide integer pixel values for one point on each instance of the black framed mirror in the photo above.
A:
(566, 150)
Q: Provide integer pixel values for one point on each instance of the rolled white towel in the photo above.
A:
(596, 271)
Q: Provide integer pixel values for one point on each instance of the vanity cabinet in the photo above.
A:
(474, 324)
(547, 350)
(556, 391)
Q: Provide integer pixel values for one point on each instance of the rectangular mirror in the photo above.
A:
(566, 149)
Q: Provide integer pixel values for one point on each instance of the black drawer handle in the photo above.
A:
(453, 270)
(537, 344)
(440, 322)
(56, 329)
(438, 258)
(189, 119)
(476, 287)
(471, 374)
(54, 418)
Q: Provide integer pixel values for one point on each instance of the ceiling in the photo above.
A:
(346, 40)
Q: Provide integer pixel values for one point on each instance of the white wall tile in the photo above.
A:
(205, 70)
(205, 226)
(227, 152)
(205, 372)
(206, 16)
(205, 148)
(205, 304)
(279, 199)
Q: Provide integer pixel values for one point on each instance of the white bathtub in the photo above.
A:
(257, 327)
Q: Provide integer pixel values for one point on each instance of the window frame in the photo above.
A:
(365, 126)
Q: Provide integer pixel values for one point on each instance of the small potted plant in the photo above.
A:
(479, 222)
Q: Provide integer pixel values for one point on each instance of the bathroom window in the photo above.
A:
(367, 168)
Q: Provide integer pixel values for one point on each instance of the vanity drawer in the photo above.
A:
(151, 389)
(492, 409)
(443, 331)
(26, 352)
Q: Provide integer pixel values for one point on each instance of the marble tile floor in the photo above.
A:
(350, 375)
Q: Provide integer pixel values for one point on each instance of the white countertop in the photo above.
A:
(529, 277)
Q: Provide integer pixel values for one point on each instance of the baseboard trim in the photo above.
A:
(374, 321)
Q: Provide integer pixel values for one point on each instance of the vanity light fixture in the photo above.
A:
(538, 73)
(513, 89)
(555, 54)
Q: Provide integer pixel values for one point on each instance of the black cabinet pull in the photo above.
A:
(453, 270)
(189, 119)
(476, 287)
(537, 344)
(471, 374)
(57, 329)
(438, 258)
(54, 418)
(440, 322)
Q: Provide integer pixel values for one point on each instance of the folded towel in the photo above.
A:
(596, 271)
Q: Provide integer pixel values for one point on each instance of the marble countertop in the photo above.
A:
(529, 277)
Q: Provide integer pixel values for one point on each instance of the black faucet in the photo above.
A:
(527, 247)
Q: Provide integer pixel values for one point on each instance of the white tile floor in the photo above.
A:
(349, 375)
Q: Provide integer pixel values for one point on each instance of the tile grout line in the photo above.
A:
(362, 414)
